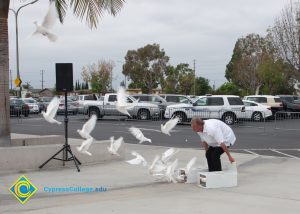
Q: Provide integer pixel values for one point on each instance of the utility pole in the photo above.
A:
(42, 73)
(10, 79)
(194, 77)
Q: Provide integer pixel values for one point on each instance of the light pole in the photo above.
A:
(194, 77)
(125, 77)
(17, 38)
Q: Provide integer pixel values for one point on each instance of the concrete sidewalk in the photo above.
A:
(266, 185)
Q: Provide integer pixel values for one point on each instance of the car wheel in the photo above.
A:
(94, 111)
(143, 114)
(229, 118)
(182, 117)
(257, 116)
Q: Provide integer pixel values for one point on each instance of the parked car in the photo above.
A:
(176, 98)
(44, 102)
(289, 103)
(33, 105)
(72, 107)
(273, 101)
(107, 107)
(155, 99)
(18, 107)
(228, 108)
(256, 111)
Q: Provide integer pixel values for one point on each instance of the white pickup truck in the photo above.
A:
(83, 101)
(106, 106)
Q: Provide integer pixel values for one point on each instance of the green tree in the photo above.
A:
(99, 75)
(136, 85)
(277, 76)
(242, 69)
(146, 65)
(186, 78)
(202, 86)
(90, 10)
(229, 88)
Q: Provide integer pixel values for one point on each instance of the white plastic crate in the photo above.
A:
(191, 178)
(225, 178)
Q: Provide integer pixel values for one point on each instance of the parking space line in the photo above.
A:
(291, 156)
(253, 153)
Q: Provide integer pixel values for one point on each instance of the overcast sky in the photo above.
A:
(204, 30)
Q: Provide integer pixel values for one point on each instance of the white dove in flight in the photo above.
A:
(138, 134)
(85, 146)
(51, 111)
(115, 145)
(138, 160)
(48, 23)
(157, 166)
(122, 105)
(169, 125)
(88, 127)
(168, 154)
(170, 171)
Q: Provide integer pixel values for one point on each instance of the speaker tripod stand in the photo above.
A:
(66, 149)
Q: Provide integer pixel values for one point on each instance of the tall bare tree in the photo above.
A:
(243, 66)
(286, 35)
(90, 10)
(99, 75)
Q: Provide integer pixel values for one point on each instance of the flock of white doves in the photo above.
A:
(161, 168)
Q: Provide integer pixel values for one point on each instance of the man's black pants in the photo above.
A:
(213, 155)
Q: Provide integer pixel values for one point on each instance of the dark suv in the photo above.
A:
(289, 103)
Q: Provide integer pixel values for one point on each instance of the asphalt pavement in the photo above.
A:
(273, 138)
(268, 185)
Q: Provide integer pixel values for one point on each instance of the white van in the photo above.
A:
(273, 101)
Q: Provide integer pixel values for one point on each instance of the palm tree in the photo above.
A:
(90, 10)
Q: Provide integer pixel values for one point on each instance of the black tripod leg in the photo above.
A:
(41, 166)
(77, 160)
(73, 157)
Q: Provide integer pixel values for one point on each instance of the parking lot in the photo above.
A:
(270, 137)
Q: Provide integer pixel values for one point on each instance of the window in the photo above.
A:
(277, 100)
(233, 101)
(112, 98)
(90, 97)
(215, 101)
(201, 102)
(247, 104)
(156, 99)
(183, 99)
(142, 98)
(258, 99)
(172, 99)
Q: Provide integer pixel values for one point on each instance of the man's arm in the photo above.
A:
(226, 150)
(205, 145)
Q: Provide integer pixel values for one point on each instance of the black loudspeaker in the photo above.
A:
(64, 76)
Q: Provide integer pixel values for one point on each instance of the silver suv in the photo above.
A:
(228, 108)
